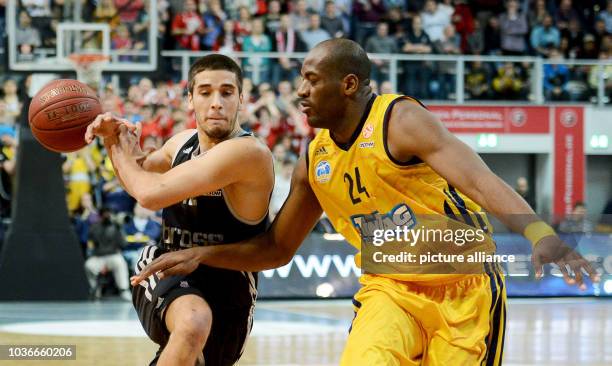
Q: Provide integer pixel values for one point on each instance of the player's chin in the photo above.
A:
(217, 131)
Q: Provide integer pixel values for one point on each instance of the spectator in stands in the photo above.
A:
(244, 25)
(40, 14)
(398, 26)
(545, 37)
(556, 78)
(257, 68)
(566, 12)
(508, 84)
(574, 36)
(286, 99)
(150, 125)
(435, 20)
(314, 34)
(588, 49)
(606, 16)
(492, 37)
(8, 149)
(416, 41)
(522, 188)
(599, 33)
(577, 222)
(78, 168)
(366, 15)
(106, 242)
(287, 40)
(83, 217)
(11, 101)
(441, 87)
(477, 81)
(381, 43)
(606, 72)
(106, 12)
(300, 17)
(273, 17)
(26, 37)
(387, 88)
(282, 184)
(476, 40)
(129, 10)
(149, 93)
(114, 197)
(122, 43)
(139, 230)
(213, 19)
(188, 27)
(514, 29)
(227, 41)
(537, 12)
(331, 21)
(463, 21)
(132, 113)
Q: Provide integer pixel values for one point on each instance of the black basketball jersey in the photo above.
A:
(209, 220)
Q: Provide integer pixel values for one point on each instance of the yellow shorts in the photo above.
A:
(407, 323)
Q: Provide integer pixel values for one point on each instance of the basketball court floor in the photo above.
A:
(539, 332)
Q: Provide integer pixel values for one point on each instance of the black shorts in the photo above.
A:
(232, 322)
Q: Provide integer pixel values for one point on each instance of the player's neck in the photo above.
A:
(207, 142)
(343, 131)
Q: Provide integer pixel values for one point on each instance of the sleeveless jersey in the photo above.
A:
(361, 187)
(210, 220)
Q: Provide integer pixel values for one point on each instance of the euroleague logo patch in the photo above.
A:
(518, 117)
(368, 130)
(323, 172)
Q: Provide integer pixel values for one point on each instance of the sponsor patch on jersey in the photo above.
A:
(187, 150)
(184, 284)
(216, 193)
(323, 171)
(320, 151)
(368, 130)
(366, 145)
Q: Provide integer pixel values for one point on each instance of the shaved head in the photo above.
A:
(341, 57)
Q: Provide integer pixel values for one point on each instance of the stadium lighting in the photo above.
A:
(608, 286)
(599, 141)
(324, 290)
(487, 140)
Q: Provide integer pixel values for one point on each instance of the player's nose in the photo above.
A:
(216, 101)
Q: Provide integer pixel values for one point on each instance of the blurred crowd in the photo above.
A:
(554, 29)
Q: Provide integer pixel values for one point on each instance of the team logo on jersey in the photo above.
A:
(399, 216)
(187, 150)
(323, 171)
(368, 130)
(366, 145)
(184, 284)
(320, 151)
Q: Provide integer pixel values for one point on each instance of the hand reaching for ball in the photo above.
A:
(107, 126)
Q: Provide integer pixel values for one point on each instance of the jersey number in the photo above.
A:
(351, 185)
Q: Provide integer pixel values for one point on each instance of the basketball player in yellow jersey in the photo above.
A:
(377, 158)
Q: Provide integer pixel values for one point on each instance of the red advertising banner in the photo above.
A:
(569, 159)
(490, 119)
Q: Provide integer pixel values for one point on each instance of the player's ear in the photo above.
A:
(240, 104)
(190, 100)
(350, 84)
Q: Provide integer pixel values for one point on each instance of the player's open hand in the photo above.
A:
(180, 262)
(106, 126)
(551, 249)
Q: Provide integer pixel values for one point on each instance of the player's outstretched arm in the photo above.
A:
(221, 166)
(414, 131)
(272, 249)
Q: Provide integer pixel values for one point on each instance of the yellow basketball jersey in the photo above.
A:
(360, 185)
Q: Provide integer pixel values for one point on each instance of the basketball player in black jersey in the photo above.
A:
(209, 196)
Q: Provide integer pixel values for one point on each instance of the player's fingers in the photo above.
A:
(590, 270)
(537, 265)
(566, 276)
(138, 130)
(575, 265)
(178, 269)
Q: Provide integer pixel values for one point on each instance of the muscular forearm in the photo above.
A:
(132, 176)
(257, 254)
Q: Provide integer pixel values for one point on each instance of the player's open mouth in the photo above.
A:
(304, 108)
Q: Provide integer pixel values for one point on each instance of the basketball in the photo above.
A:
(60, 113)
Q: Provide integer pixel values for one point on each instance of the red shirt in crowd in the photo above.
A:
(192, 23)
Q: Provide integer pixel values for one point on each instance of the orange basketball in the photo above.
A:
(60, 113)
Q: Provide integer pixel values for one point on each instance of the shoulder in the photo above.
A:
(248, 149)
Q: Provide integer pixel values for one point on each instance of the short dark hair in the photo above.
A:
(347, 57)
(214, 62)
